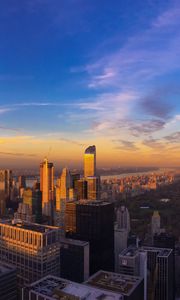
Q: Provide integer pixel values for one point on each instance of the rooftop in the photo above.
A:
(93, 202)
(119, 283)
(57, 288)
(73, 242)
(28, 226)
(130, 251)
(164, 252)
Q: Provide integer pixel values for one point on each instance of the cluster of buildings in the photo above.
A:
(130, 186)
(65, 242)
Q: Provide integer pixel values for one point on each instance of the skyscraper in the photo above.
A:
(47, 186)
(90, 161)
(95, 224)
(155, 223)
(160, 264)
(93, 188)
(65, 184)
(123, 219)
(22, 181)
(121, 231)
(6, 181)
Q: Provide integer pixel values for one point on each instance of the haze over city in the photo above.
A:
(76, 73)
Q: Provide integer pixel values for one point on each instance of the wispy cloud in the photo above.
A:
(4, 110)
(17, 154)
(143, 57)
(71, 142)
(170, 17)
(125, 145)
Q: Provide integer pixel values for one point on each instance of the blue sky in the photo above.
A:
(75, 72)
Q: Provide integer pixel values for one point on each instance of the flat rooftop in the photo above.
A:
(119, 283)
(28, 226)
(57, 288)
(92, 202)
(64, 240)
(162, 252)
(129, 252)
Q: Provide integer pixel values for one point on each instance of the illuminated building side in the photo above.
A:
(47, 186)
(90, 161)
(34, 249)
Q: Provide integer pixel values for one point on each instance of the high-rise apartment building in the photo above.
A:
(90, 161)
(31, 208)
(81, 189)
(6, 182)
(65, 184)
(93, 188)
(47, 187)
(160, 272)
(33, 198)
(34, 249)
(22, 181)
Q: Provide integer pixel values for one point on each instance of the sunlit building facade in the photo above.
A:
(47, 186)
(34, 249)
(90, 161)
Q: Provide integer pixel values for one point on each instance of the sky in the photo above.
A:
(75, 73)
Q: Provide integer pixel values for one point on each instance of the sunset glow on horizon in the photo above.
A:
(79, 73)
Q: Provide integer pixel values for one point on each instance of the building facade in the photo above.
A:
(90, 161)
(47, 186)
(32, 248)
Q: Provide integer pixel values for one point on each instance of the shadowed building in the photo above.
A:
(93, 221)
(8, 282)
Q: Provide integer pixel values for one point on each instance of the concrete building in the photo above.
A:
(131, 287)
(133, 262)
(155, 223)
(8, 282)
(121, 232)
(53, 288)
(123, 218)
(32, 248)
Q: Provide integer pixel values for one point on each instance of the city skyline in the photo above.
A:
(76, 73)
